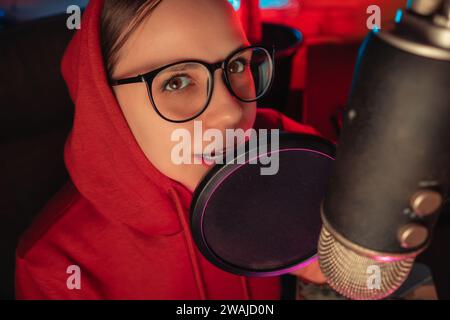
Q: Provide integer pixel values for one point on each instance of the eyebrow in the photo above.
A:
(242, 46)
(183, 67)
(188, 65)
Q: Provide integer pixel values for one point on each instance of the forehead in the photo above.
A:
(206, 30)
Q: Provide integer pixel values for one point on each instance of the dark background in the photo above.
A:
(36, 111)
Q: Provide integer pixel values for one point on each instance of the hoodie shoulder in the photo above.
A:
(64, 201)
(267, 118)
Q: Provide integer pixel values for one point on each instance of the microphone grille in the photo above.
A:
(354, 275)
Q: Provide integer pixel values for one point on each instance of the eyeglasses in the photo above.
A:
(181, 91)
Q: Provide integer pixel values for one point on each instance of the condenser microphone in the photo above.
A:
(392, 171)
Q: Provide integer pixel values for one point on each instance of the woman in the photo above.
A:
(119, 228)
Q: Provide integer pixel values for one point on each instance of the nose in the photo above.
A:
(224, 110)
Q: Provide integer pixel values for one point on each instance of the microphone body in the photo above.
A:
(392, 170)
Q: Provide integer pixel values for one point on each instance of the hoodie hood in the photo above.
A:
(102, 156)
(103, 159)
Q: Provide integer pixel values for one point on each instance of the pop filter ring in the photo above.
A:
(288, 142)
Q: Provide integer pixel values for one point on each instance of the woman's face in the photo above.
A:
(176, 30)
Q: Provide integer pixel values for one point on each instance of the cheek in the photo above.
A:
(136, 108)
(153, 135)
(248, 115)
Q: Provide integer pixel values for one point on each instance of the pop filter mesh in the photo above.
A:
(267, 222)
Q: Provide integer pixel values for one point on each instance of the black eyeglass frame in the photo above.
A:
(148, 78)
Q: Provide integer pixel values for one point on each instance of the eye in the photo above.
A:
(237, 66)
(177, 82)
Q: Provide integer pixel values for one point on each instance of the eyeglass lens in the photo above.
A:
(182, 91)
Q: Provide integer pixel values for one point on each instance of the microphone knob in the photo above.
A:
(425, 7)
(412, 235)
(426, 202)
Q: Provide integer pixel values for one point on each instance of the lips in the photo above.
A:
(215, 156)
(218, 156)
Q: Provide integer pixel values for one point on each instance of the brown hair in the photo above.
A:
(119, 19)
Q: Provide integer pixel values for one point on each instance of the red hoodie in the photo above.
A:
(119, 219)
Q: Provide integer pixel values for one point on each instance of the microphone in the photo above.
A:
(392, 170)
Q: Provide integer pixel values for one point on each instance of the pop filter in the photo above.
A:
(251, 224)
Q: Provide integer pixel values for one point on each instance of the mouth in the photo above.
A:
(219, 155)
(214, 157)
